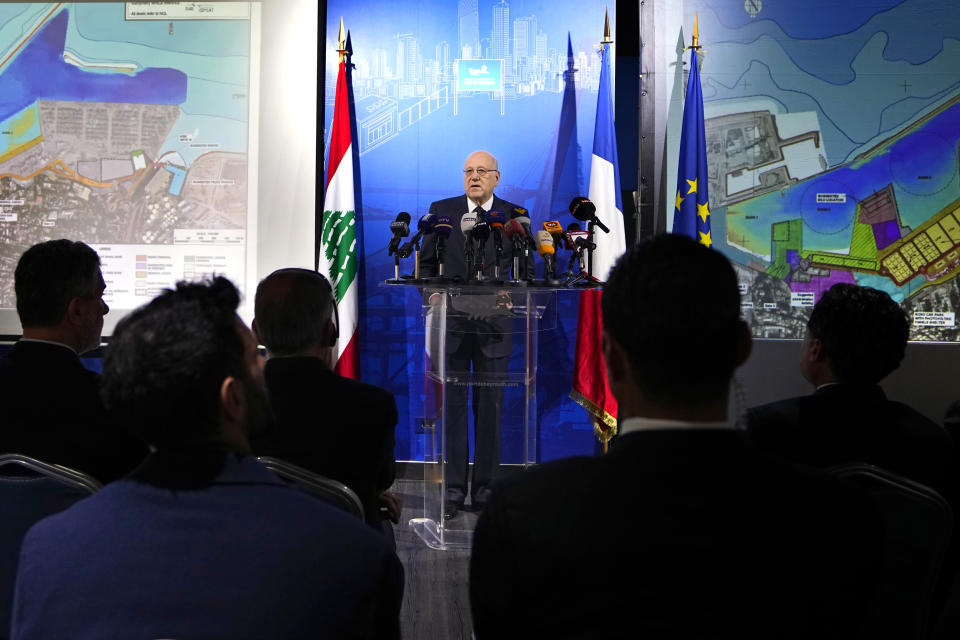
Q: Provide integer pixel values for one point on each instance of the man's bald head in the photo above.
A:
(480, 175)
(293, 309)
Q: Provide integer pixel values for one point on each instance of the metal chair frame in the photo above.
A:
(320, 486)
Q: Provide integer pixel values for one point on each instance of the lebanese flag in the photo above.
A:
(590, 386)
(338, 239)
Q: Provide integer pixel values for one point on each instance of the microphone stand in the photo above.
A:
(478, 261)
(590, 247)
(441, 247)
(515, 253)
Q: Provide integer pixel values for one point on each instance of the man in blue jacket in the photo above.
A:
(201, 540)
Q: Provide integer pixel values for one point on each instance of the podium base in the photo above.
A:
(436, 536)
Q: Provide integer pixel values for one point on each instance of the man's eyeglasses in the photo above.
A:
(481, 172)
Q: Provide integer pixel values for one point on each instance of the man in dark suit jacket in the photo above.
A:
(51, 403)
(856, 336)
(478, 335)
(334, 426)
(682, 530)
(201, 540)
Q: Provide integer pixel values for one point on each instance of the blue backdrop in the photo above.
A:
(415, 131)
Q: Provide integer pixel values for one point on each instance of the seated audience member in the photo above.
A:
(682, 530)
(856, 336)
(201, 540)
(51, 403)
(337, 427)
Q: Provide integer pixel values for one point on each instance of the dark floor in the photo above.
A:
(436, 603)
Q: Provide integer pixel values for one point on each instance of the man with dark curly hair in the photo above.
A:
(856, 336)
(201, 540)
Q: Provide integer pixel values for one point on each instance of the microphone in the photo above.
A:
(546, 250)
(400, 229)
(514, 231)
(481, 231)
(496, 219)
(556, 232)
(442, 227)
(467, 223)
(568, 238)
(585, 211)
(520, 215)
(424, 228)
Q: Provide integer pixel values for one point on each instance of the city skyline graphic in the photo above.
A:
(406, 77)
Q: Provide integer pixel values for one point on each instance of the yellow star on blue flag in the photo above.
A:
(691, 216)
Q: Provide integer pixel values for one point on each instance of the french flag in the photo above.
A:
(590, 386)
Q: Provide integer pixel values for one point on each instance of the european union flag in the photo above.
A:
(691, 217)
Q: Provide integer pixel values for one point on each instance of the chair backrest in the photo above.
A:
(30, 490)
(918, 527)
(336, 493)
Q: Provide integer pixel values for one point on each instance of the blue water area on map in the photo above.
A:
(216, 38)
(179, 175)
(39, 72)
(812, 19)
(922, 167)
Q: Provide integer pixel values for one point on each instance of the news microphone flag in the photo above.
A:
(691, 215)
(590, 386)
(338, 238)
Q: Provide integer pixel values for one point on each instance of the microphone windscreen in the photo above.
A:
(425, 225)
(400, 228)
(403, 216)
(553, 227)
(496, 218)
(468, 222)
(481, 231)
(544, 243)
(513, 228)
(443, 226)
(569, 238)
(582, 208)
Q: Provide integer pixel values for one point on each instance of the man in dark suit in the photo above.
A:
(335, 426)
(478, 335)
(682, 530)
(200, 541)
(855, 337)
(51, 403)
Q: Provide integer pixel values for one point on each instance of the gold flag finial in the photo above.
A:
(696, 31)
(606, 27)
(341, 40)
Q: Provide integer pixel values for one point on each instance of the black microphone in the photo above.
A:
(400, 229)
(514, 231)
(481, 231)
(442, 227)
(467, 223)
(584, 210)
(520, 215)
(424, 228)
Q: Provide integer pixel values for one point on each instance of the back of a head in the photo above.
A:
(167, 360)
(49, 275)
(674, 307)
(291, 308)
(863, 331)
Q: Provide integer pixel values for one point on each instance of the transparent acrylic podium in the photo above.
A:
(507, 313)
